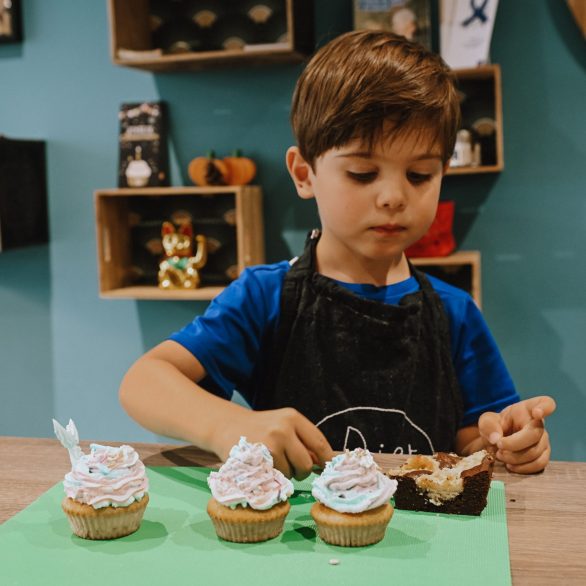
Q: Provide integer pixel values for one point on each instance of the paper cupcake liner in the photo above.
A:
(351, 530)
(107, 523)
(248, 533)
(247, 525)
(352, 536)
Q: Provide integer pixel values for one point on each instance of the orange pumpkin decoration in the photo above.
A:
(242, 169)
(209, 171)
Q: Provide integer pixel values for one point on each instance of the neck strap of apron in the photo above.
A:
(306, 263)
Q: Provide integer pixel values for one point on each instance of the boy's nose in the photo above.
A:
(392, 197)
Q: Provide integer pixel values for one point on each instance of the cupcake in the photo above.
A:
(249, 496)
(352, 495)
(106, 490)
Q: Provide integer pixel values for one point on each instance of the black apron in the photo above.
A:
(367, 373)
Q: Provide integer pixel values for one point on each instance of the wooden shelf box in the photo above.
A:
(482, 93)
(128, 223)
(461, 269)
(136, 38)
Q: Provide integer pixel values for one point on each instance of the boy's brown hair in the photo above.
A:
(363, 82)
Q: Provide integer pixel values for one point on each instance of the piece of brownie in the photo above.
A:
(444, 483)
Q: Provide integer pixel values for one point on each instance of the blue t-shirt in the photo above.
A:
(228, 340)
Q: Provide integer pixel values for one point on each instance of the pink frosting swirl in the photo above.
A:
(352, 483)
(248, 478)
(107, 477)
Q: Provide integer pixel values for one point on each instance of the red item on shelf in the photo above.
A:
(439, 239)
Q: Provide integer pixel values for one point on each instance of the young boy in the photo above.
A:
(349, 345)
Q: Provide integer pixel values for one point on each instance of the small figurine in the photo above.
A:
(180, 269)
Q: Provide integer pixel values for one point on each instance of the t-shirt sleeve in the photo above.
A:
(485, 382)
(227, 338)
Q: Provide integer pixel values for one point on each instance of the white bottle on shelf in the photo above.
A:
(462, 156)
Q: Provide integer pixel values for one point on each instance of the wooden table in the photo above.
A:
(546, 513)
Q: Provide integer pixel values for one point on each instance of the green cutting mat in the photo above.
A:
(176, 545)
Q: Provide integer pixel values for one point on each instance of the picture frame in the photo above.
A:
(466, 31)
(408, 18)
(143, 151)
(24, 215)
(10, 21)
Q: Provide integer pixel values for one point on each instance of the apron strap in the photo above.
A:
(306, 262)
(303, 266)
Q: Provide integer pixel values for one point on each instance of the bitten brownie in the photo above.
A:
(444, 483)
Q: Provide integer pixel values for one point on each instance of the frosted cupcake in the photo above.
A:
(106, 490)
(352, 495)
(249, 496)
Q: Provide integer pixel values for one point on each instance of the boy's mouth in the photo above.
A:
(388, 229)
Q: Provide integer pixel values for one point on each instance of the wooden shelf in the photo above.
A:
(482, 88)
(474, 170)
(131, 41)
(119, 250)
(461, 269)
(154, 293)
(578, 9)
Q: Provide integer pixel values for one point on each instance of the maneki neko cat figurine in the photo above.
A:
(180, 269)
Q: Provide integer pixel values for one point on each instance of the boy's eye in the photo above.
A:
(363, 177)
(417, 178)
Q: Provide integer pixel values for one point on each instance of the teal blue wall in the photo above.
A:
(63, 350)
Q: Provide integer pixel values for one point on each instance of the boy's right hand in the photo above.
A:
(295, 443)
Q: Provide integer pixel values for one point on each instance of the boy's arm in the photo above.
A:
(159, 392)
(517, 432)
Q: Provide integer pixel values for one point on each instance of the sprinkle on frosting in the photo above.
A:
(353, 483)
(107, 476)
(248, 478)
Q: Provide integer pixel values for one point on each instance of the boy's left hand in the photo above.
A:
(519, 434)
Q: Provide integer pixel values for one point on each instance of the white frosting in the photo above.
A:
(352, 483)
(248, 478)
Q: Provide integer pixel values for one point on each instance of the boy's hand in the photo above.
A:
(295, 443)
(519, 434)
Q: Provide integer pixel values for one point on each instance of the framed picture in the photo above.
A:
(466, 31)
(10, 21)
(24, 219)
(408, 18)
(144, 160)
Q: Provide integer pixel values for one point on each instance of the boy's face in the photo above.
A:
(372, 205)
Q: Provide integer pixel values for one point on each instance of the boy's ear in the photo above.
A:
(300, 171)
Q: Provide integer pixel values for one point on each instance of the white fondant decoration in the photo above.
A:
(69, 439)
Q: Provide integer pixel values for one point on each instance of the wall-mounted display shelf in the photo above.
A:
(578, 9)
(482, 115)
(461, 269)
(165, 35)
(128, 224)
